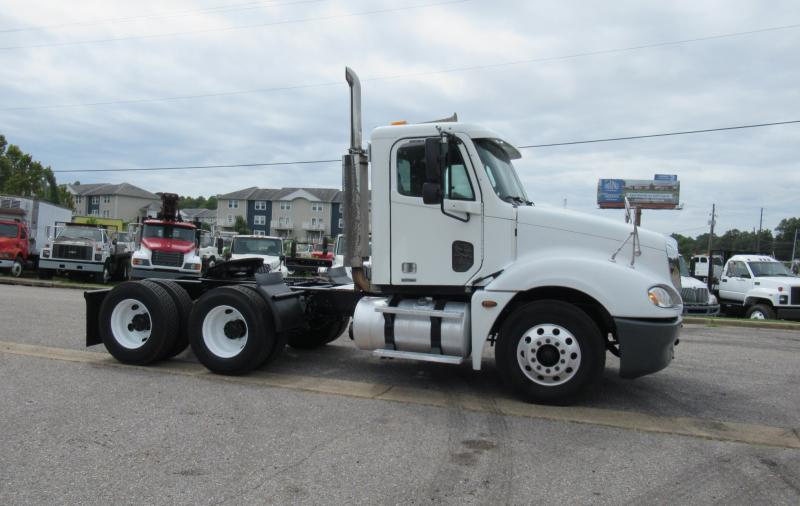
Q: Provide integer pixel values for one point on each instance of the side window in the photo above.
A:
(731, 269)
(456, 179)
(22, 234)
(411, 169)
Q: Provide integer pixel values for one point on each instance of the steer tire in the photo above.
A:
(214, 322)
(183, 304)
(549, 352)
(320, 331)
(158, 330)
(764, 310)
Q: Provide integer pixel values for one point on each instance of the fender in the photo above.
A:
(761, 293)
(602, 280)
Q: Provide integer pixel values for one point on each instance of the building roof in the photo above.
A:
(254, 193)
(123, 189)
(198, 212)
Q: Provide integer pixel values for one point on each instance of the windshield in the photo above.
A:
(8, 230)
(500, 171)
(92, 234)
(122, 237)
(684, 269)
(256, 246)
(761, 269)
(169, 232)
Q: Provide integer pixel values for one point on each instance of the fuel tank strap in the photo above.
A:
(436, 328)
(388, 324)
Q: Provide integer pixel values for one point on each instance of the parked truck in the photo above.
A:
(23, 231)
(166, 246)
(268, 249)
(84, 249)
(759, 287)
(460, 258)
(698, 300)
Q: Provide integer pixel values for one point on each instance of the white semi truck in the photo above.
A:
(460, 258)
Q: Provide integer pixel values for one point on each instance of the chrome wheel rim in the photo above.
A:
(548, 354)
(758, 315)
(16, 269)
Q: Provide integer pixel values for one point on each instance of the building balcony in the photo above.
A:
(309, 225)
(280, 225)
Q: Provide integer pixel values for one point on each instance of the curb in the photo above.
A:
(48, 284)
(737, 322)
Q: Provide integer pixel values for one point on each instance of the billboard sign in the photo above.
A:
(663, 192)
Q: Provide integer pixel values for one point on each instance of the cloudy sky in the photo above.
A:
(99, 84)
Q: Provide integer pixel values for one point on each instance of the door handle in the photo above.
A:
(463, 206)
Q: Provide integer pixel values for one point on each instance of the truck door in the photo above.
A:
(735, 281)
(430, 247)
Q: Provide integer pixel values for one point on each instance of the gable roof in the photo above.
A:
(122, 189)
(239, 194)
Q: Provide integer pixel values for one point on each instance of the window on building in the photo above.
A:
(341, 223)
(229, 219)
(95, 200)
(233, 204)
(94, 212)
(316, 207)
(286, 206)
(259, 232)
(78, 199)
(105, 213)
(260, 205)
(259, 219)
(106, 199)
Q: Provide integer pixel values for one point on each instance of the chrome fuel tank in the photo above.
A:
(414, 325)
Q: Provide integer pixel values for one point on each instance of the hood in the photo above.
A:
(776, 281)
(690, 282)
(8, 242)
(586, 224)
(168, 245)
(268, 259)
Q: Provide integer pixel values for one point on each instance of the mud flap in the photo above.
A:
(94, 299)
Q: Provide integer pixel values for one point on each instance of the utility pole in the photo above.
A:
(711, 222)
(758, 237)
(794, 244)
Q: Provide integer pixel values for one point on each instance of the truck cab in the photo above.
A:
(760, 285)
(697, 298)
(79, 248)
(14, 246)
(167, 249)
(269, 249)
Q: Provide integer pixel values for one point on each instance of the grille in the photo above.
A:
(167, 259)
(72, 252)
(694, 295)
(795, 295)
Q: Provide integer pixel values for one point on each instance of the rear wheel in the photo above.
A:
(320, 332)
(183, 304)
(230, 331)
(549, 351)
(137, 322)
(760, 312)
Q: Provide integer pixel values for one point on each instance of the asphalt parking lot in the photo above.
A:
(336, 425)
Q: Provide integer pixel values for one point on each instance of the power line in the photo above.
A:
(166, 15)
(337, 160)
(405, 75)
(232, 28)
(667, 134)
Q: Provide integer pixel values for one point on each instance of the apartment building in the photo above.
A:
(120, 201)
(305, 214)
(207, 216)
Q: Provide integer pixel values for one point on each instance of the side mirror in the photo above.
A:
(434, 159)
(431, 193)
(219, 245)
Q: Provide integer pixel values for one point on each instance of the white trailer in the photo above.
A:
(460, 258)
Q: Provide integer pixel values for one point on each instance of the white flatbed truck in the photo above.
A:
(460, 257)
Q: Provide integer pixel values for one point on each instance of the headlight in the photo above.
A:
(45, 253)
(661, 297)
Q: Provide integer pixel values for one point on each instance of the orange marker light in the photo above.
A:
(488, 303)
(401, 122)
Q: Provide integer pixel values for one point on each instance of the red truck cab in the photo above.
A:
(14, 246)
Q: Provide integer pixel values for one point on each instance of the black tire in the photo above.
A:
(46, 273)
(320, 331)
(157, 333)
(183, 304)
(766, 312)
(281, 339)
(17, 268)
(213, 350)
(569, 339)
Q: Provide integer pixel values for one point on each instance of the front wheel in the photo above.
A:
(16, 268)
(760, 312)
(549, 351)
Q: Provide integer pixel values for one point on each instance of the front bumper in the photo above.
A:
(71, 265)
(700, 309)
(6, 264)
(645, 346)
(139, 273)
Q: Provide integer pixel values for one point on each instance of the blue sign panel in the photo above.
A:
(666, 177)
(610, 190)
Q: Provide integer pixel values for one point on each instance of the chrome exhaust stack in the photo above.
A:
(355, 185)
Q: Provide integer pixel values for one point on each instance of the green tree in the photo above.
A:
(784, 238)
(686, 245)
(240, 226)
(21, 175)
(211, 203)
